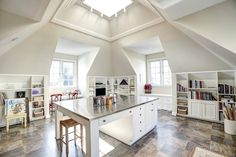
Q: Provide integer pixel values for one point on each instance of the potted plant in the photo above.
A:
(148, 88)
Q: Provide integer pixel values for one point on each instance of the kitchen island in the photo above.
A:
(129, 119)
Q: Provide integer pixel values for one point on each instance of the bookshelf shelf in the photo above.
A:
(123, 85)
(210, 89)
(10, 84)
(206, 93)
(228, 94)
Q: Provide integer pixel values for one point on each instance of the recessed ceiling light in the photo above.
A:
(108, 7)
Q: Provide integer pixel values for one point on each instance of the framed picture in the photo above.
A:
(15, 106)
(20, 94)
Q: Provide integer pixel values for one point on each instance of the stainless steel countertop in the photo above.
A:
(84, 107)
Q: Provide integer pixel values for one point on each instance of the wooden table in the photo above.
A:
(16, 116)
(134, 116)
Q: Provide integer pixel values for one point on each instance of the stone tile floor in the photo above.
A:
(173, 137)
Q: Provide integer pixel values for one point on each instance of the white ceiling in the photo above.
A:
(147, 46)
(32, 9)
(70, 47)
(176, 9)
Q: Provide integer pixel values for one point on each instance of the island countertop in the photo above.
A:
(84, 107)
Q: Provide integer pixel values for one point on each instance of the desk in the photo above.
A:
(16, 116)
(134, 116)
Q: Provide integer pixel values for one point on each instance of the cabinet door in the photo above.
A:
(196, 109)
(151, 116)
(209, 110)
(139, 121)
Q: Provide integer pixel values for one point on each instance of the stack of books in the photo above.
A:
(181, 88)
(202, 95)
(196, 84)
(226, 89)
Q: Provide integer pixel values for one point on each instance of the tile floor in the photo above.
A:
(173, 137)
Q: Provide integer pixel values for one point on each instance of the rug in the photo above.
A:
(200, 152)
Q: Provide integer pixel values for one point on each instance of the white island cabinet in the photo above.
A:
(128, 120)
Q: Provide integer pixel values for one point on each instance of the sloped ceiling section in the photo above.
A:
(211, 24)
(183, 54)
(176, 9)
(78, 18)
(69, 47)
(216, 24)
(223, 54)
(32, 9)
(15, 29)
(35, 54)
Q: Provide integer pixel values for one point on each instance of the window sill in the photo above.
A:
(160, 86)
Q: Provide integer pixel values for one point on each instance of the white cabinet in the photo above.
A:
(130, 125)
(209, 110)
(139, 121)
(195, 109)
(151, 116)
(145, 118)
(203, 109)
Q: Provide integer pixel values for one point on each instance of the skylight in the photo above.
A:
(108, 7)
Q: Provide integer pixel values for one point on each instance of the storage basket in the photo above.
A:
(182, 111)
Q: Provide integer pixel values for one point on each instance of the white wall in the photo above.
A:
(85, 62)
(138, 63)
(135, 16)
(85, 19)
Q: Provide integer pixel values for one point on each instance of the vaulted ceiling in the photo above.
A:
(210, 24)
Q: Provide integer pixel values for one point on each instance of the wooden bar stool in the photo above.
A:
(68, 123)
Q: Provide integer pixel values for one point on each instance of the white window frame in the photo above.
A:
(61, 73)
(161, 72)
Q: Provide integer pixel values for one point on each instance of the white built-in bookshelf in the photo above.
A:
(202, 94)
(123, 85)
(35, 88)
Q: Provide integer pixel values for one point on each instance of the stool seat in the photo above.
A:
(68, 123)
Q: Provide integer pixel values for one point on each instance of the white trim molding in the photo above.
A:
(104, 37)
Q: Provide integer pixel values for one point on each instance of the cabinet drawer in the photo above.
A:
(116, 116)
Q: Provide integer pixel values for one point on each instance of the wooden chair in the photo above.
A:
(68, 123)
(74, 95)
(54, 98)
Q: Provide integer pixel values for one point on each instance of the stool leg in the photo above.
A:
(25, 121)
(67, 143)
(7, 125)
(61, 137)
(75, 137)
(81, 135)
(22, 121)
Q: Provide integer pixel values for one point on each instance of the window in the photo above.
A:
(159, 73)
(62, 73)
(108, 7)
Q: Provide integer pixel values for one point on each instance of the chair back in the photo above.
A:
(55, 97)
